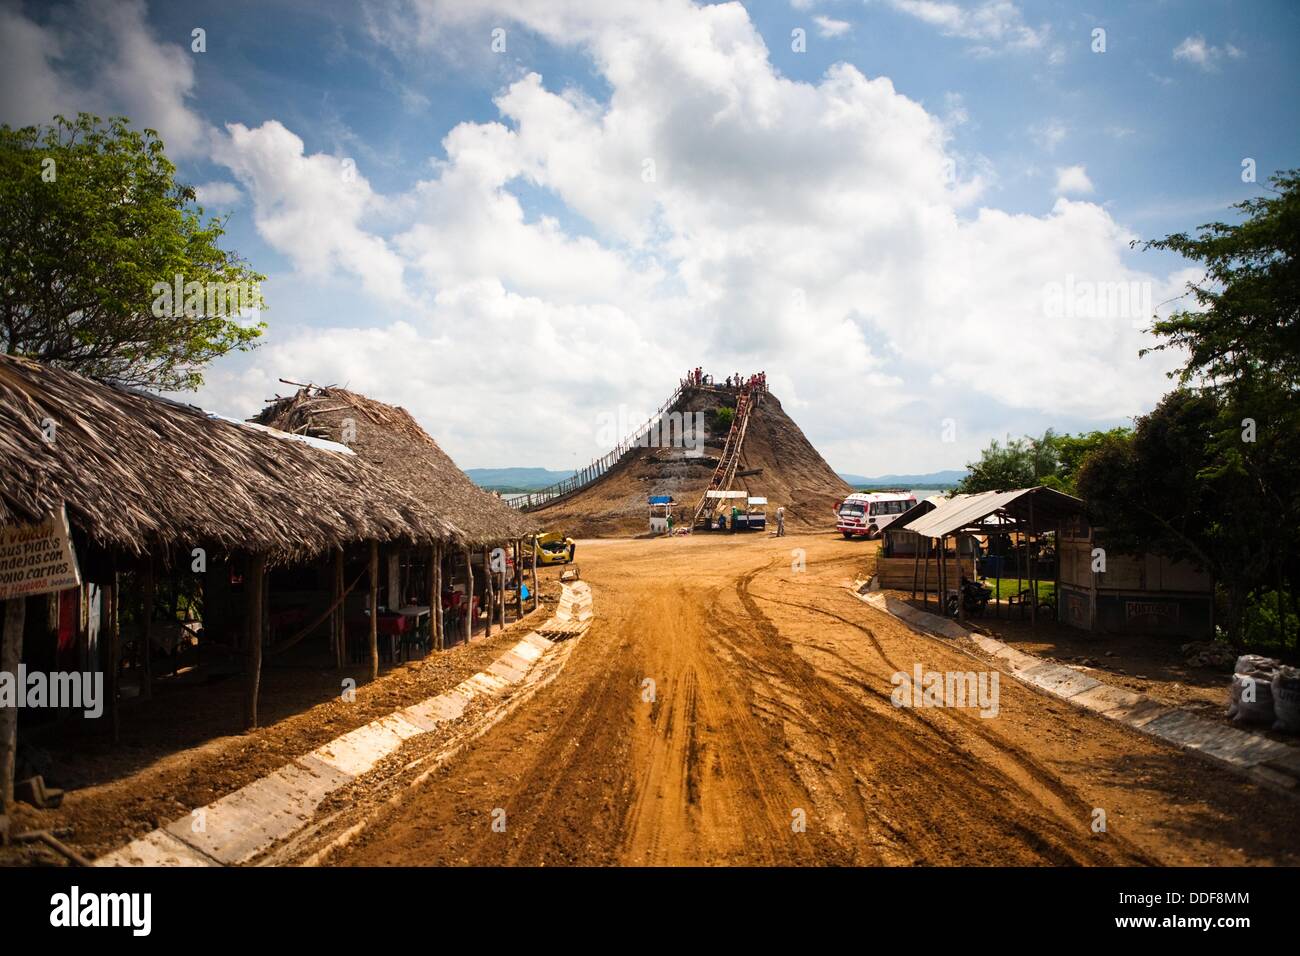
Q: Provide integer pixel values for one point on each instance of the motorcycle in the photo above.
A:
(974, 598)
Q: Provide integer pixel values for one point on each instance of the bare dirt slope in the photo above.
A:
(793, 475)
(772, 702)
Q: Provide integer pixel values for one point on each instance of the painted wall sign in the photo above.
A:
(1151, 612)
(37, 558)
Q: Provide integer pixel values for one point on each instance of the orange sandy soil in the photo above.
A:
(186, 748)
(1153, 665)
(773, 700)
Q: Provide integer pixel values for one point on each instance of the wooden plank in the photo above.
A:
(469, 596)
(253, 585)
(11, 648)
(374, 610)
(146, 632)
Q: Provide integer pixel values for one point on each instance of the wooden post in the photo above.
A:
(997, 583)
(961, 603)
(469, 596)
(432, 575)
(253, 587)
(374, 610)
(501, 593)
(11, 649)
(916, 562)
(1033, 570)
(338, 618)
(489, 598)
(925, 580)
(394, 592)
(536, 597)
(114, 650)
(519, 579)
(437, 596)
(943, 576)
(146, 632)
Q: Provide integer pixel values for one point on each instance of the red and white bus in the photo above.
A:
(866, 514)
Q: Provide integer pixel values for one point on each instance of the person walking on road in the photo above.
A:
(780, 521)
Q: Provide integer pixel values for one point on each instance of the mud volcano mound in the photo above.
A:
(792, 474)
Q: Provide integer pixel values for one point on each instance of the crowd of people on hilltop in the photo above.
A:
(696, 378)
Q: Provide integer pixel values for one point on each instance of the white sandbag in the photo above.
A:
(1252, 698)
(1286, 699)
(1249, 663)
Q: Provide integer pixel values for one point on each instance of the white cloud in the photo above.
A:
(134, 74)
(810, 228)
(1072, 180)
(993, 25)
(830, 27)
(1050, 134)
(311, 207)
(1195, 50)
(807, 227)
(218, 194)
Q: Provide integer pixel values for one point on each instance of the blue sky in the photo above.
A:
(876, 219)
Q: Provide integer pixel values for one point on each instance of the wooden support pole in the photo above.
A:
(469, 596)
(925, 580)
(533, 574)
(434, 601)
(146, 631)
(488, 596)
(916, 564)
(961, 597)
(338, 616)
(943, 576)
(997, 582)
(519, 579)
(254, 581)
(501, 592)
(394, 590)
(436, 608)
(11, 649)
(113, 629)
(374, 610)
(1033, 570)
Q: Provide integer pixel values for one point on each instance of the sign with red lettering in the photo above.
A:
(37, 558)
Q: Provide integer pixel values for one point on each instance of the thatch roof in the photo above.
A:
(389, 438)
(141, 474)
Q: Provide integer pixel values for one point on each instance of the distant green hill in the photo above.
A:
(515, 479)
(935, 479)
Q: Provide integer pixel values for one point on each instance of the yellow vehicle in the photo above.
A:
(552, 547)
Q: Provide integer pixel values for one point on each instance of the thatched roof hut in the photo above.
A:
(142, 474)
(391, 440)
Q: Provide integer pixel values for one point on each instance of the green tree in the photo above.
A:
(93, 225)
(1020, 463)
(1175, 486)
(1000, 467)
(1213, 473)
(1247, 320)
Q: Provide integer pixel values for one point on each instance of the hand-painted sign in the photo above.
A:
(37, 558)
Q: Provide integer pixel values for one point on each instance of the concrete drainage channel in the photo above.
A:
(272, 820)
(1274, 764)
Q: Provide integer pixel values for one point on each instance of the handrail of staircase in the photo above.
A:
(598, 467)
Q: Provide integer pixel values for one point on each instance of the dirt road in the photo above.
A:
(771, 706)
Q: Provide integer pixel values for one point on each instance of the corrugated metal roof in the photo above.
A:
(965, 510)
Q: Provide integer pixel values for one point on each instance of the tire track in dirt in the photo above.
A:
(771, 695)
(1052, 836)
(1067, 806)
